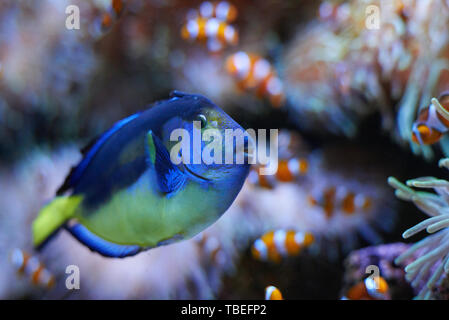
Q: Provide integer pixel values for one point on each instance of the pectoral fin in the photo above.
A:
(169, 177)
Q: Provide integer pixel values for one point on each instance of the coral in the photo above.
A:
(60, 86)
(28, 185)
(431, 266)
(287, 204)
(338, 71)
(206, 258)
(383, 257)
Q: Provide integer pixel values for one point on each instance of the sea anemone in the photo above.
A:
(432, 265)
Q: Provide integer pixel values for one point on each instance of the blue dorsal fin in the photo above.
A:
(169, 177)
(103, 247)
(89, 151)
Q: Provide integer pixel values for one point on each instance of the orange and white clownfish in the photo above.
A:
(288, 170)
(368, 289)
(212, 31)
(30, 266)
(222, 10)
(107, 19)
(254, 73)
(273, 293)
(339, 198)
(432, 121)
(274, 245)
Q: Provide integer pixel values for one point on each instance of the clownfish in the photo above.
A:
(273, 293)
(210, 246)
(342, 199)
(253, 73)
(368, 289)
(432, 121)
(223, 10)
(333, 12)
(274, 245)
(108, 18)
(289, 144)
(212, 31)
(288, 170)
(30, 266)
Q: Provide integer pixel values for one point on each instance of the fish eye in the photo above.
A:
(202, 118)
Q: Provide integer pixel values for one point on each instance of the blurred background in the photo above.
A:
(343, 88)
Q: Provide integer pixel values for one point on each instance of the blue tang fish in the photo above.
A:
(126, 195)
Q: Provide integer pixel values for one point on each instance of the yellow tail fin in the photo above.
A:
(53, 216)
